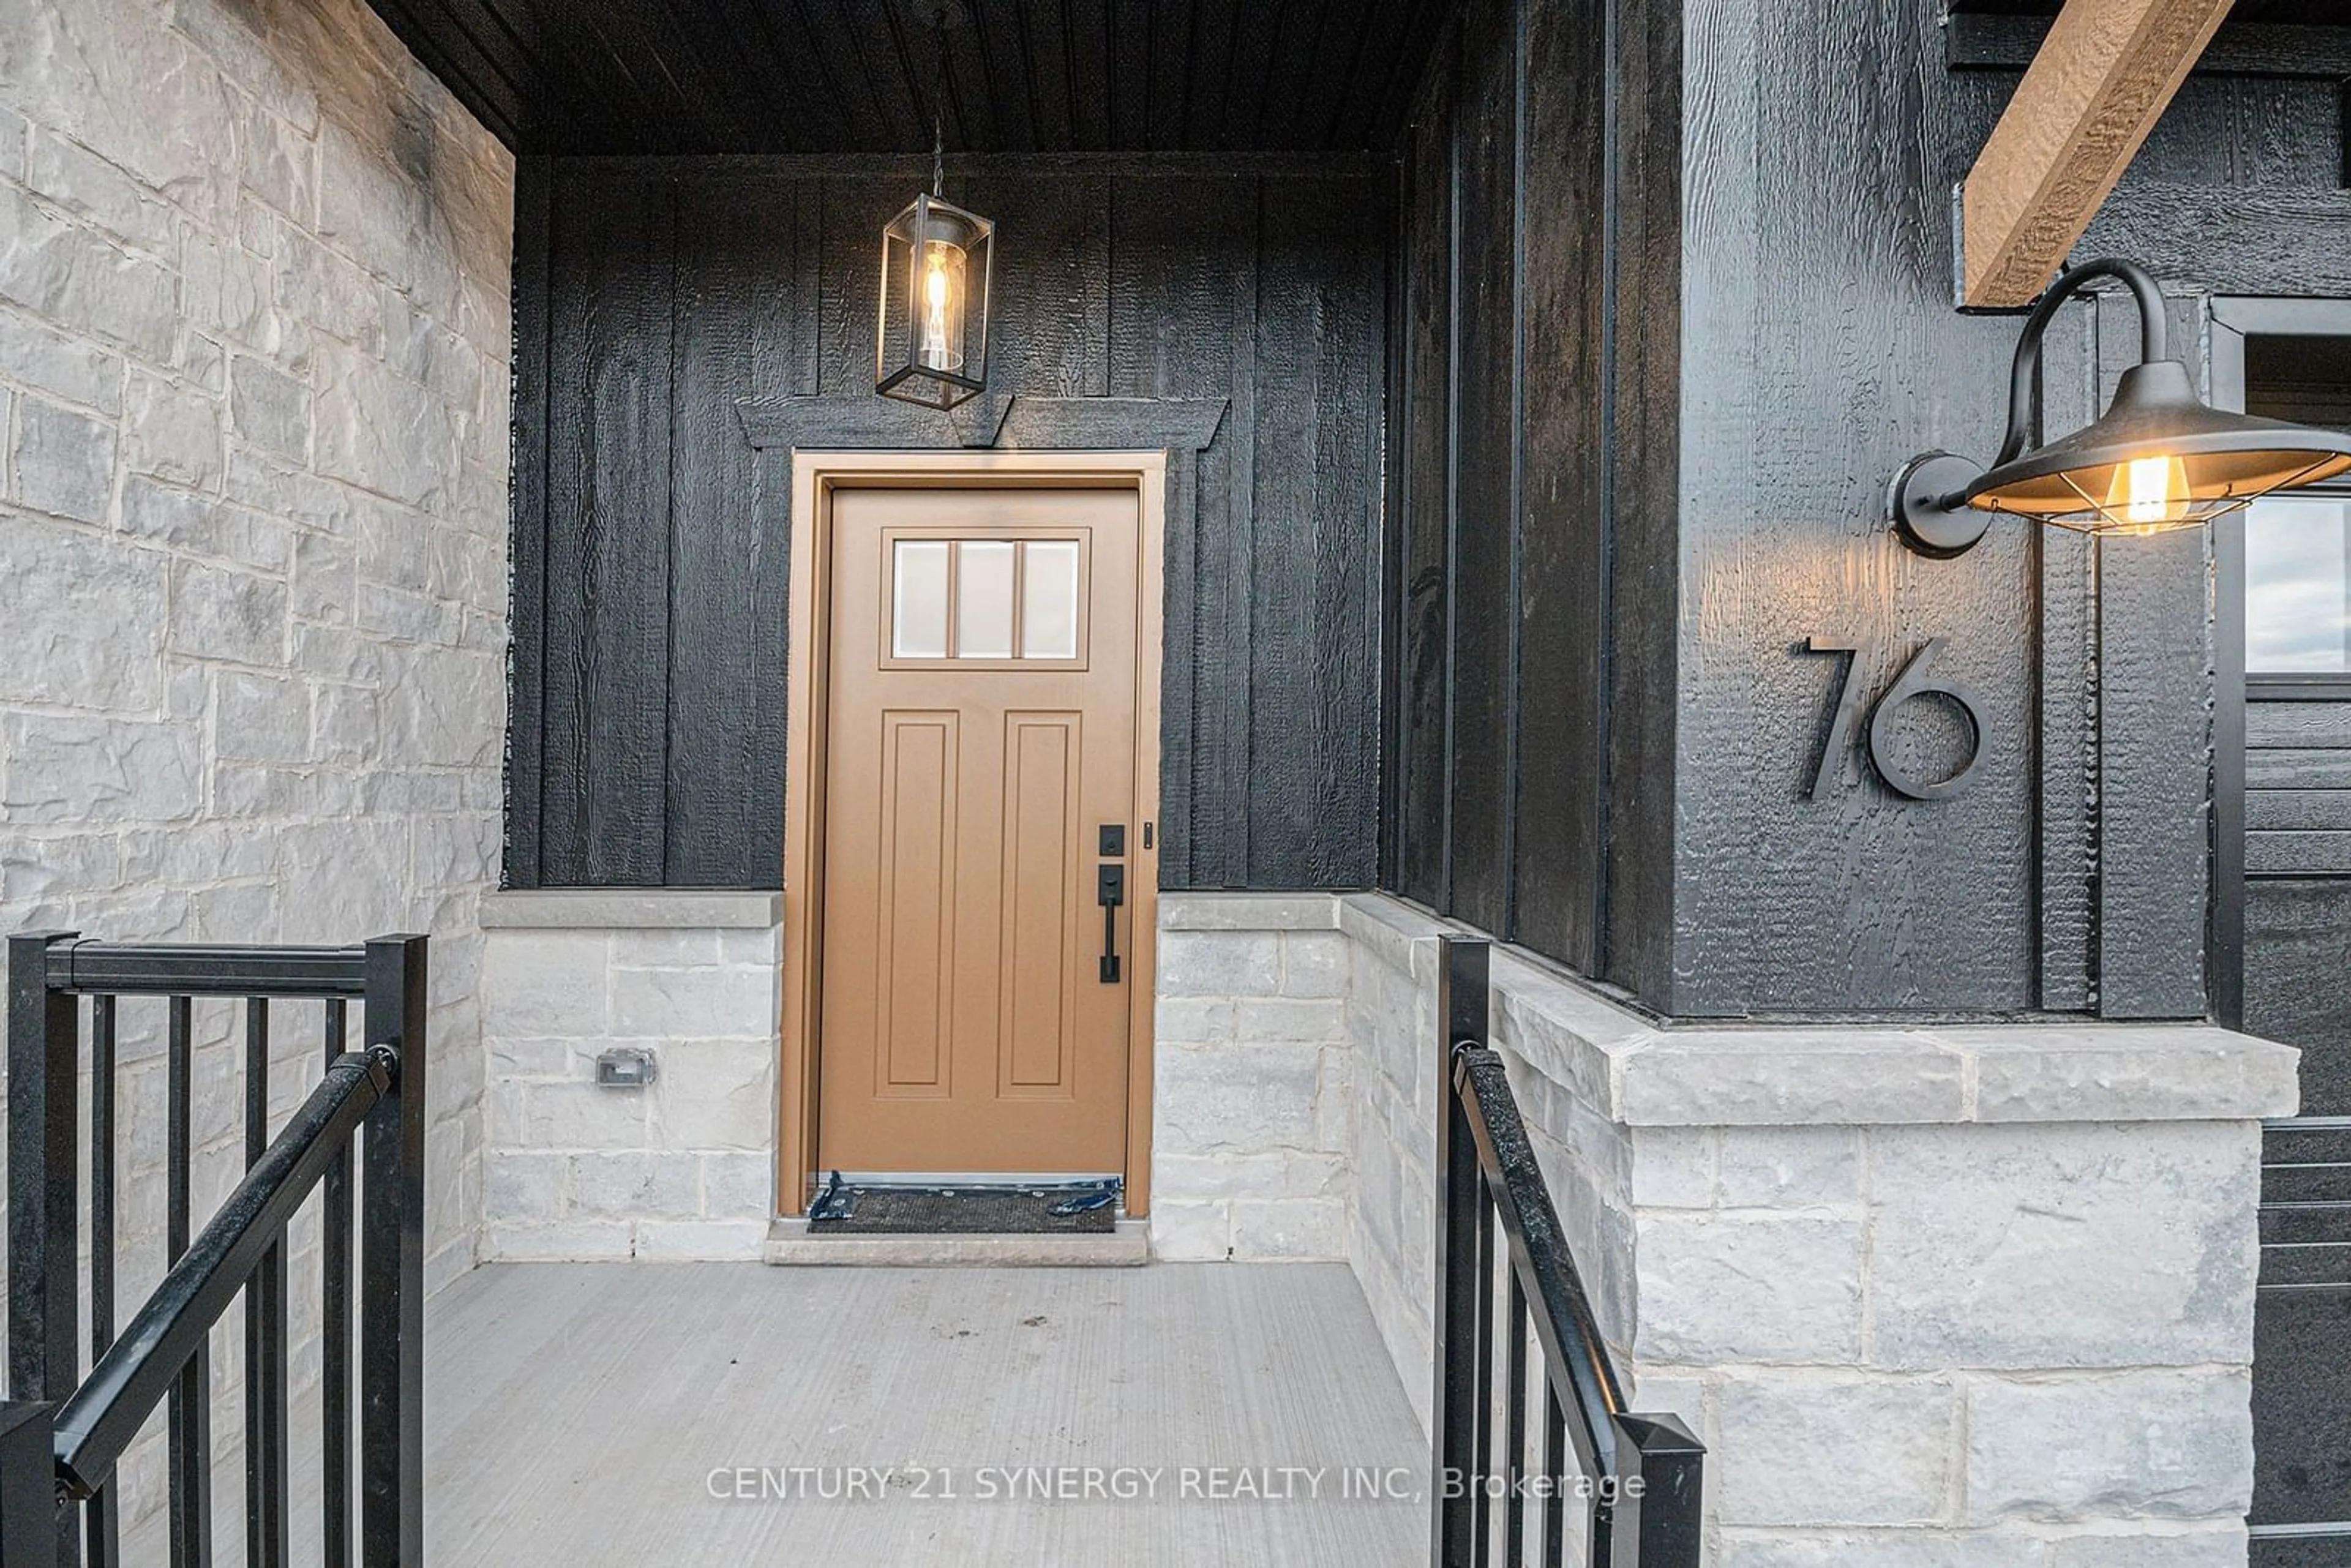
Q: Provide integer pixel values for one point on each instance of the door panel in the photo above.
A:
(980, 725)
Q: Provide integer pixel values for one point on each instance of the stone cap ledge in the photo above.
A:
(630, 909)
(1220, 911)
(1641, 1072)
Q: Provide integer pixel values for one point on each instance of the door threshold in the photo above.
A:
(1125, 1245)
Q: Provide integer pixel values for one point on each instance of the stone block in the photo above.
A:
(1218, 963)
(62, 461)
(546, 985)
(569, 1241)
(1289, 1230)
(261, 718)
(1718, 1289)
(2059, 1245)
(69, 369)
(635, 1183)
(2218, 1544)
(90, 187)
(269, 408)
(1263, 1173)
(716, 1094)
(714, 1003)
(84, 617)
(221, 613)
(726, 1240)
(1284, 1018)
(523, 1186)
(322, 578)
(64, 769)
(1789, 1168)
(173, 432)
(1199, 1020)
(67, 273)
(1778, 1076)
(1672, 1167)
(1315, 964)
(738, 1186)
(574, 1114)
(202, 523)
(2119, 1073)
(1253, 1097)
(1912, 1548)
(2111, 1446)
(1819, 1448)
(633, 908)
(1193, 1230)
(1247, 912)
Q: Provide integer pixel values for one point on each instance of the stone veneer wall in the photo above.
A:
(683, 1168)
(1972, 1296)
(254, 276)
(1253, 1078)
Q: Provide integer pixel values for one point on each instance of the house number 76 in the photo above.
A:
(1916, 680)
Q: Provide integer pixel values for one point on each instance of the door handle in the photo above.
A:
(1109, 892)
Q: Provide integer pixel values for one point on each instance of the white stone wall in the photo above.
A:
(682, 1168)
(1253, 1072)
(254, 275)
(1966, 1295)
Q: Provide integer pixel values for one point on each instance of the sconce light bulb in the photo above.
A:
(2150, 489)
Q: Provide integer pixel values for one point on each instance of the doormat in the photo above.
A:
(1083, 1208)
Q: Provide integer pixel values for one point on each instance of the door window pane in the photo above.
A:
(984, 576)
(1048, 599)
(2298, 584)
(918, 617)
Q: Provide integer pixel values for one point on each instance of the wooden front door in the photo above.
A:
(979, 810)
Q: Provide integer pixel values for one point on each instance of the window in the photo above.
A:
(2298, 544)
(992, 600)
(2298, 584)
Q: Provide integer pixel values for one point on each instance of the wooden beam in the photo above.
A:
(2079, 116)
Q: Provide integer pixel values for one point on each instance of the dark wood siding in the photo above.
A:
(1538, 276)
(655, 296)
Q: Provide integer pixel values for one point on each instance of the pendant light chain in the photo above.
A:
(938, 101)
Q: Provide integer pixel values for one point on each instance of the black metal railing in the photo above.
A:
(61, 1432)
(1630, 1493)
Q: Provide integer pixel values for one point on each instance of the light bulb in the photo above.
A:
(942, 264)
(2150, 488)
(2147, 494)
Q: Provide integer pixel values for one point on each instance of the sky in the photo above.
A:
(2297, 592)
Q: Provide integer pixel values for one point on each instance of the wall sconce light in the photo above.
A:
(2159, 459)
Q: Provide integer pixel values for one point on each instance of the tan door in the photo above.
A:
(981, 738)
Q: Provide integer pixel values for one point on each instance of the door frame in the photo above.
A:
(817, 475)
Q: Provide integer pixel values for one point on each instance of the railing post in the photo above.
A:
(44, 1216)
(1658, 1522)
(1461, 972)
(28, 1487)
(392, 1267)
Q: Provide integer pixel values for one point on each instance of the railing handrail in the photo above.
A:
(188, 968)
(1639, 1479)
(98, 1421)
(357, 1140)
(1575, 1355)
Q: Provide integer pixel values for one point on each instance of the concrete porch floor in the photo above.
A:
(576, 1414)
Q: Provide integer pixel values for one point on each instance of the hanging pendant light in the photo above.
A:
(2159, 458)
(931, 332)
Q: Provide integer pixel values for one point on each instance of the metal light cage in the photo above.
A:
(2159, 458)
(931, 331)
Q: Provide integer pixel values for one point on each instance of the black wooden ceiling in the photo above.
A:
(858, 75)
